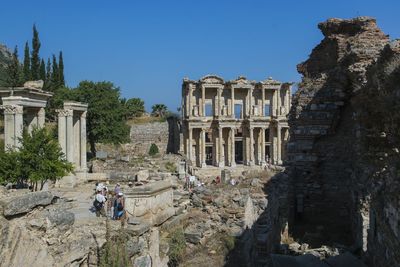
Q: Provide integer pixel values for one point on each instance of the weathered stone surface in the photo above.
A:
(142, 261)
(22, 204)
(38, 85)
(142, 175)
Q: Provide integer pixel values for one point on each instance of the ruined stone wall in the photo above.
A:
(164, 134)
(379, 118)
(345, 185)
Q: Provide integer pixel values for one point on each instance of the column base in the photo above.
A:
(233, 164)
(221, 164)
(203, 165)
(250, 163)
(263, 163)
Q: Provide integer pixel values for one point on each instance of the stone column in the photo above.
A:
(287, 100)
(262, 159)
(232, 158)
(263, 101)
(251, 156)
(70, 135)
(203, 100)
(83, 141)
(191, 100)
(203, 148)
(13, 125)
(233, 102)
(279, 145)
(41, 117)
(274, 103)
(250, 109)
(272, 146)
(62, 130)
(219, 102)
(221, 159)
(279, 101)
(190, 145)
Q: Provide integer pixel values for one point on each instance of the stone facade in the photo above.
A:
(234, 122)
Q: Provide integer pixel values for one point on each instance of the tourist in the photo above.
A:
(130, 184)
(99, 203)
(119, 206)
(117, 189)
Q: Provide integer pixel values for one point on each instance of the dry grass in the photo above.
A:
(142, 120)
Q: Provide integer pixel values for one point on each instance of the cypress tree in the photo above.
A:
(42, 70)
(14, 70)
(55, 81)
(61, 69)
(47, 82)
(27, 63)
(35, 60)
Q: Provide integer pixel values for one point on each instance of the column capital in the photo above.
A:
(65, 112)
(12, 109)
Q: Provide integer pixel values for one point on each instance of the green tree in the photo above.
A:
(14, 70)
(153, 150)
(42, 158)
(42, 70)
(27, 63)
(47, 81)
(38, 160)
(61, 79)
(159, 110)
(106, 114)
(55, 81)
(35, 59)
(134, 107)
(10, 167)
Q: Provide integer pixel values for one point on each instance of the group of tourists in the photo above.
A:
(108, 203)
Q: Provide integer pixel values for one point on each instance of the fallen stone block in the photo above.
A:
(25, 203)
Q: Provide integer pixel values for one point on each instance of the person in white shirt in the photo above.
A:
(99, 203)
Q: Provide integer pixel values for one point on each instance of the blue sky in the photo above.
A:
(147, 47)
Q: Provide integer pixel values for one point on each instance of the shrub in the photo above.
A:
(229, 241)
(170, 166)
(114, 253)
(177, 247)
(153, 150)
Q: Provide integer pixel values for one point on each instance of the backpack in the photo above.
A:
(98, 205)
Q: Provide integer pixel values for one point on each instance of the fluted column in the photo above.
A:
(203, 148)
(262, 134)
(233, 102)
(190, 111)
(232, 159)
(221, 160)
(41, 117)
(83, 141)
(251, 149)
(70, 135)
(190, 144)
(263, 101)
(13, 125)
(62, 130)
(203, 101)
